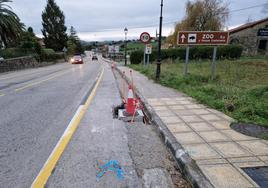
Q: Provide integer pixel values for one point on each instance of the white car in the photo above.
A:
(2, 59)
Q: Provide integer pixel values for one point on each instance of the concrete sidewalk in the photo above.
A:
(205, 134)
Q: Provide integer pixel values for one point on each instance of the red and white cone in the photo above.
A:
(130, 107)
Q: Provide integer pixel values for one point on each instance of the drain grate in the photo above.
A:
(259, 175)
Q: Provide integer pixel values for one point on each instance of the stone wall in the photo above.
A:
(18, 63)
(248, 39)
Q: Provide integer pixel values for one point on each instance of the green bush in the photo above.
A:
(15, 52)
(48, 54)
(136, 57)
(197, 52)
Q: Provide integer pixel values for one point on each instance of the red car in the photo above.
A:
(77, 59)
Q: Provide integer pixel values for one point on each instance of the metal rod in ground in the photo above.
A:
(148, 59)
(144, 56)
(124, 86)
(213, 65)
(186, 61)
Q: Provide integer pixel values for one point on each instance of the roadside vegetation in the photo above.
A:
(16, 40)
(240, 89)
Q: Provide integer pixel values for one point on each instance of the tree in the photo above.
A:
(74, 43)
(54, 29)
(203, 15)
(10, 25)
(28, 39)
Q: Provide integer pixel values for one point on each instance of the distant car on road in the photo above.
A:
(1, 59)
(77, 59)
(94, 57)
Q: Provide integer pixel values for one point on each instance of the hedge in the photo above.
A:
(16, 52)
(198, 52)
(48, 54)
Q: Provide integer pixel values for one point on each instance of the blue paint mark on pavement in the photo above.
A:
(112, 165)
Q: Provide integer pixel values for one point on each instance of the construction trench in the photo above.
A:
(153, 161)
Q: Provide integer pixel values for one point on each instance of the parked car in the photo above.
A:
(94, 57)
(1, 59)
(77, 59)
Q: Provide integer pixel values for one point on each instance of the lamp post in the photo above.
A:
(158, 68)
(126, 31)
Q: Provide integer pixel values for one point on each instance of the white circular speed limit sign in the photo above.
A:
(145, 37)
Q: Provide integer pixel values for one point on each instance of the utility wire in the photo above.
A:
(176, 21)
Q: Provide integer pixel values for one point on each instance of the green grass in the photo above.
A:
(240, 89)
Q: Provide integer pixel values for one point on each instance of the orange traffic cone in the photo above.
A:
(130, 107)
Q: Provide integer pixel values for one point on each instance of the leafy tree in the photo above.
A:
(28, 39)
(10, 25)
(74, 43)
(203, 15)
(54, 29)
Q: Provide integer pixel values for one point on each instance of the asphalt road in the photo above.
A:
(36, 106)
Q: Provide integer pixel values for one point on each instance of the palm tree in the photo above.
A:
(10, 25)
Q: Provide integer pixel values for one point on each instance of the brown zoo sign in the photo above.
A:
(203, 38)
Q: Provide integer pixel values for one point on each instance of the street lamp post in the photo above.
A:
(158, 68)
(126, 31)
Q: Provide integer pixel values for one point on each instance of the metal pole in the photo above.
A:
(186, 61)
(213, 65)
(158, 68)
(125, 49)
(144, 56)
(148, 62)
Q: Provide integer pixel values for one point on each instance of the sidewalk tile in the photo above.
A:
(200, 111)
(178, 128)
(221, 124)
(225, 176)
(212, 161)
(230, 149)
(210, 117)
(192, 118)
(214, 136)
(249, 164)
(188, 138)
(157, 103)
(178, 107)
(194, 106)
(184, 102)
(165, 113)
(236, 136)
(173, 102)
(184, 112)
(201, 151)
(201, 126)
(171, 119)
(160, 108)
(255, 146)
(243, 159)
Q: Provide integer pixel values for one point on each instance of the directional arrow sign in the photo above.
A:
(183, 37)
(203, 38)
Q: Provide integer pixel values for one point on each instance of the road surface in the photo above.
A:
(36, 105)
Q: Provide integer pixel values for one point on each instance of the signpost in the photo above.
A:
(193, 38)
(148, 51)
(64, 53)
(146, 38)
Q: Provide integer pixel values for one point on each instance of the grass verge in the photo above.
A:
(240, 89)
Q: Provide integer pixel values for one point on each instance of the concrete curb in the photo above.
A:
(186, 164)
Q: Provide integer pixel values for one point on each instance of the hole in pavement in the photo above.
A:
(250, 129)
(129, 118)
(258, 174)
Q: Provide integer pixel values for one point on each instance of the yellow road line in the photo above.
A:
(39, 82)
(44, 174)
(1, 94)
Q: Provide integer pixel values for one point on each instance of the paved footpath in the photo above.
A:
(220, 152)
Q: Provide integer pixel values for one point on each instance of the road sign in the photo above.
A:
(64, 49)
(113, 49)
(148, 49)
(145, 37)
(263, 32)
(203, 38)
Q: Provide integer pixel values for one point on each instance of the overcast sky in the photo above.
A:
(106, 19)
